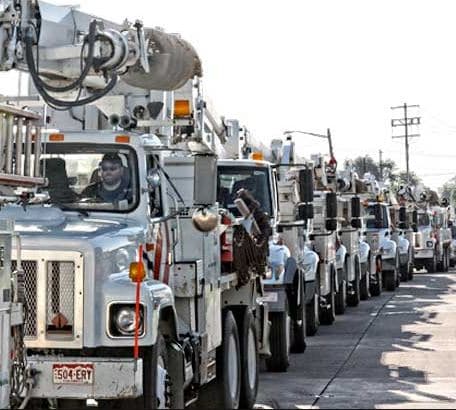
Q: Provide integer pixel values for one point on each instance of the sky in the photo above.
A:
(313, 65)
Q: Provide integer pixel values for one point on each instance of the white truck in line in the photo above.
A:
(384, 251)
(353, 250)
(129, 300)
(433, 247)
(280, 185)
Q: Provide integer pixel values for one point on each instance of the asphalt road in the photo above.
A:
(393, 351)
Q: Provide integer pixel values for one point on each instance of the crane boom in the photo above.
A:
(66, 50)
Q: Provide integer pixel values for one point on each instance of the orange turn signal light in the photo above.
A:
(56, 137)
(257, 156)
(182, 108)
(137, 272)
(123, 139)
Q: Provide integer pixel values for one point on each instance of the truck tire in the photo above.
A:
(397, 274)
(224, 392)
(341, 294)
(298, 342)
(155, 360)
(404, 271)
(279, 341)
(249, 360)
(411, 265)
(354, 298)
(446, 262)
(327, 314)
(390, 280)
(364, 282)
(431, 265)
(312, 317)
(376, 288)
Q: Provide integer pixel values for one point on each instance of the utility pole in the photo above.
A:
(406, 122)
(380, 164)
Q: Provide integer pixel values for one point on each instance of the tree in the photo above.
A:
(400, 178)
(448, 190)
(367, 164)
(389, 172)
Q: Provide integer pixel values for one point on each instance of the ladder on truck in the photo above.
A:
(20, 176)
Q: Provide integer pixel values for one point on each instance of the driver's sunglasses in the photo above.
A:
(105, 168)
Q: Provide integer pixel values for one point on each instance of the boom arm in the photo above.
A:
(66, 50)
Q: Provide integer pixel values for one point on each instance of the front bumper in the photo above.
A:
(275, 297)
(424, 253)
(114, 378)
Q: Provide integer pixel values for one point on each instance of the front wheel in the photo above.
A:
(279, 342)
(298, 344)
(224, 392)
(404, 270)
(327, 312)
(312, 317)
(355, 288)
(249, 360)
(364, 282)
(341, 295)
(155, 379)
(390, 280)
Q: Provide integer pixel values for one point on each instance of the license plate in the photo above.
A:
(72, 373)
(270, 297)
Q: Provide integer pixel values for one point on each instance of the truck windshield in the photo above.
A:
(91, 177)
(232, 179)
(375, 221)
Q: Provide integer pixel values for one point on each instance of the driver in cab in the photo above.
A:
(114, 183)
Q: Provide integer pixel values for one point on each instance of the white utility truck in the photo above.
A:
(290, 284)
(132, 300)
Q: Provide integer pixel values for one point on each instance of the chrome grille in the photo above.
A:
(60, 297)
(30, 280)
(54, 282)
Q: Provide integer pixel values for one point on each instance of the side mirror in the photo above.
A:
(415, 217)
(306, 185)
(153, 179)
(356, 223)
(306, 211)
(205, 180)
(331, 225)
(402, 214)
(356, 207)
(331, 205)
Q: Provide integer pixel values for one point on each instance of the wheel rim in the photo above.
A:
(233, 370)
(251, 359)
(161, 383)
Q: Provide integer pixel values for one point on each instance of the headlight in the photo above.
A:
(429, 244)
(122, 320)
(122, 260)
